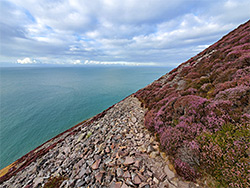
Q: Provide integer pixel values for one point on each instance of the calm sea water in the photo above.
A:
(39, 103)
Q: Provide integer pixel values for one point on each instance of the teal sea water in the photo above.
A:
(36, 104)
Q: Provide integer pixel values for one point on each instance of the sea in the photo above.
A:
(38, 103)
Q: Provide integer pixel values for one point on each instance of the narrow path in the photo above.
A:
(114, 151)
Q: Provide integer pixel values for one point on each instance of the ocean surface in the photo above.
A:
(36, 104)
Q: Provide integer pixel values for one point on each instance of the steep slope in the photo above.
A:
(113, 149)
(201, 112)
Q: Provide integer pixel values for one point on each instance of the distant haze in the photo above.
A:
(112, 32)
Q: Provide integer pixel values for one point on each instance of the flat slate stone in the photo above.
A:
(128, 161)
(116, 185)
(115, 153)
(136, 180)
(98, 177)
(96, 164)
(170, 174)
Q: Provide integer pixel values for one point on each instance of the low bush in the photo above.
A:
(224, 154)
(204, 125)
(54, 182)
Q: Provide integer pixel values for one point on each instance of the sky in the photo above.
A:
(113, 32)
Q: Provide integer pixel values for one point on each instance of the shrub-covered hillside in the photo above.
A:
(200, 112)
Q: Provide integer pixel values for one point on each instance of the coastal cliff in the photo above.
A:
(113, 149)
(190, 128)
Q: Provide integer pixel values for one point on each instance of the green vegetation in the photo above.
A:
(200, 112)
(54, 182)
(224, 155)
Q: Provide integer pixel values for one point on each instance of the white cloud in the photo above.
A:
(91, 62)
(77, 62)
(115, 31)
(26, 60)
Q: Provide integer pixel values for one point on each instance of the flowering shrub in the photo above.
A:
(185, 170)
(201, 111)
(224, 154)
(189, 91)
(193, 75)
(171, 138)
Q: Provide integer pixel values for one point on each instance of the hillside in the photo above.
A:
(200, 112)
(113, 149)
(188, 129)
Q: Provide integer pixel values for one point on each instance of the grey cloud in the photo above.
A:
(135, 31)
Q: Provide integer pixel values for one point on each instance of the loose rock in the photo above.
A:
(96, 164)
(115, 150)
(129, 161)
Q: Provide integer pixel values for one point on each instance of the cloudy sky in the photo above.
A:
(128, 32)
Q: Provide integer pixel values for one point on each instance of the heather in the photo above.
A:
(200, 112)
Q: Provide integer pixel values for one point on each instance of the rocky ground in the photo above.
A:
(114, 151)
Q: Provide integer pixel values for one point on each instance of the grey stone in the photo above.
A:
(182, 184)
(133, 119)
(81, 137)
(150, 149)
(88, 170)
(66, 150)
(98, 177)
(128, 182)
(136, 180)
(90, 162)
(82, 172)
(116, 185)
(96, 164)
(79, 158)
(170, 174)
(80, 183)
(37, 181)
(154, 154)
(119, 172)
(124, 185)
(155, 180)
(129, 161)
(126, 174)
